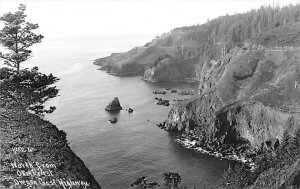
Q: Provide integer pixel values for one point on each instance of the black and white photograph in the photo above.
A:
(150, 94)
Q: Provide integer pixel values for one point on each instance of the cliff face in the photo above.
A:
(131, 63)
(154, 63)
(35, 154)
(284, 177)
(169, 69)
(249, 98)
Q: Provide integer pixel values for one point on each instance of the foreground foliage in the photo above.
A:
(29, 88)
(171, 180)
(269, 163)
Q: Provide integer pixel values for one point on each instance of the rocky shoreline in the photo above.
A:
(142, 72)
(191, 141)
(154, 63)
(186, 80)
(36, 154)
(192, 144)
(120, 73)
(231, 111)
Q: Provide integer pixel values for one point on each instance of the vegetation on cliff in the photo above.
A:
(248, 106)
(34, 153)
(277, 168)
(17, 36)
(29, 88)
(230, 30)
(170, 181)
(181, 53)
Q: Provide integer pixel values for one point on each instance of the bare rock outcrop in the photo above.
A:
(114, 105)
(247, 97)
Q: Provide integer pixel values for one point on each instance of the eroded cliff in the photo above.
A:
(248, 98)
(154, 63)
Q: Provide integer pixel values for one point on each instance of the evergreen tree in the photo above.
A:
(29, 89)
(17, 36)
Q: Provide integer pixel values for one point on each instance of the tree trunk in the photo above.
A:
(18, 68)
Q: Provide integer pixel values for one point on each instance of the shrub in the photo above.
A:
(30, 88)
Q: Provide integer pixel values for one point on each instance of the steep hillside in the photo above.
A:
(169, 69)
(179, 63)
(135, 61)
(245, 89)
(249, 99)
(188, 47)
(36, 154)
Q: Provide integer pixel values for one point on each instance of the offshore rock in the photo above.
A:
(114, 105)
(113, 120)
(159, 92)
(163, 102)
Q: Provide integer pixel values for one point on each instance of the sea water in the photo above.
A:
(117, 154)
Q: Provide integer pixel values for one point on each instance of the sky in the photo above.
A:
(69, 18)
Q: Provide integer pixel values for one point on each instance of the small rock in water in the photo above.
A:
(163, 102)
(159, 92)
(114, 105)
(162, 125)
(185, 93)
(113, 120)
(173, 91)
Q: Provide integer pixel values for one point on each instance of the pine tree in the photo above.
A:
(17, 37)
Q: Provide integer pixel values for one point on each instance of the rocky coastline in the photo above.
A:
(247, 104)
(248, 99)
(224, 151)
(218, 153)
(154, 63)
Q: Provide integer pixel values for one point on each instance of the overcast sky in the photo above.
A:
(125, 17)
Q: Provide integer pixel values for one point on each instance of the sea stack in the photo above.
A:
(130, 110)
(113, 120)
(114, 105)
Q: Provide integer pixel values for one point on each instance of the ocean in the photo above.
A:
(117, 154)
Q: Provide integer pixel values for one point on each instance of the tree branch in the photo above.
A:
(5, 58)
